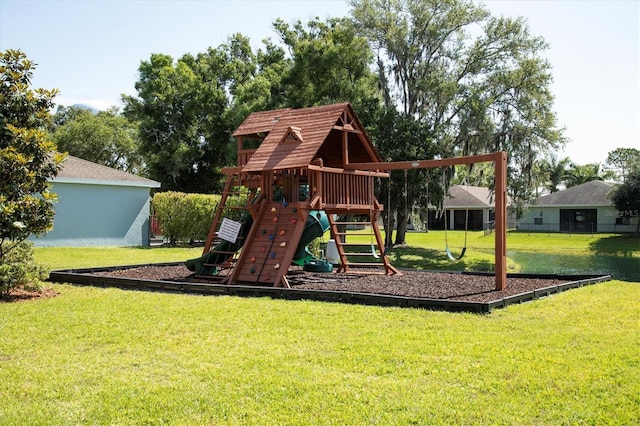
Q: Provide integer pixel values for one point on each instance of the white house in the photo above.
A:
(581, 208)
(99, 206)
(466, 207)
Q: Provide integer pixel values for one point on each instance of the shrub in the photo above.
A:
(184, 217)
(19, 269)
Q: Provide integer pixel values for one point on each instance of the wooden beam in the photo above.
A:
(422, 164)
(348, 171)
(348, 128)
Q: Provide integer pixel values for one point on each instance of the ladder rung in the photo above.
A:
(352, 223)
(348, 253)
(360, 234)
(222, 252)
(365, 264)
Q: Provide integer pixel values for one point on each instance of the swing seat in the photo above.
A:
(452, 257)
(374, 253)
(318, 266)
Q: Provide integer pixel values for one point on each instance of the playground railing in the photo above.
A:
(342, 189)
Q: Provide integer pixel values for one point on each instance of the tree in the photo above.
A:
(623, 160)
(188, 108)
(394, 134)
(330, 64)
(264, 90)
(626, 197)
(27, 162)
(474, 93)
(555, 172)
(579, 174)
(106, 138)
(184, 132)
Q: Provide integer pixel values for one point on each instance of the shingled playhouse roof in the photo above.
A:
(294, 136)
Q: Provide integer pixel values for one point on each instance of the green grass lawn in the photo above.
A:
(111, 356)
(87, 257)
(424, 250)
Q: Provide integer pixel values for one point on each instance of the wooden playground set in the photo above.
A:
(301, 170)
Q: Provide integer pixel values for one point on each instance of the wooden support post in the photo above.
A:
(345, 148)
(500, 164)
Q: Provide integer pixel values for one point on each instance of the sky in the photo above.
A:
(90, 50)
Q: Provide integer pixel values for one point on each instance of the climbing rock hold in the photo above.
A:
(263, 231)
(293, 221)
(283, 244)
(253, 259)
(294, 210)
(272, 255)
(273, 209)
(270, 237)
(277, 266)
(263, 249)
(252, 270)
(283, 232)
(275, 218)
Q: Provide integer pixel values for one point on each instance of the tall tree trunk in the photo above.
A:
(401, 229)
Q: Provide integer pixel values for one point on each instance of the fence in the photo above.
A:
(573, 228)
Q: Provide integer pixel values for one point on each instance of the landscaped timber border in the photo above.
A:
(88, 276)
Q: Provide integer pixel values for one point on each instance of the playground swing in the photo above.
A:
(374, 252)
(389, 246)
(466, 229)
(446, 241)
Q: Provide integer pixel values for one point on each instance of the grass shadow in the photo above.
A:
(616, 245)
(429, 259)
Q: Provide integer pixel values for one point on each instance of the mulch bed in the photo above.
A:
(416, 284)
(21, 295)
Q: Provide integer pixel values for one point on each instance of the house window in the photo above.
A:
(537, 221)
(623, 220)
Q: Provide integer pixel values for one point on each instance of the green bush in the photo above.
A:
(19, 269)
(184, 217)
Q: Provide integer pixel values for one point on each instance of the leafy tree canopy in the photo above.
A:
(623, 160)
(626, 197)
(577, 174)
(181, 105)
(106, 138)
(475, 91)
(330, 64)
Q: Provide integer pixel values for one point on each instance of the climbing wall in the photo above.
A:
(271, 245)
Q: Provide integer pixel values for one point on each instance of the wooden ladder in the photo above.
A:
(362, 255)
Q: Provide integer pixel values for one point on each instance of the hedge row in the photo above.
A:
(187, 217)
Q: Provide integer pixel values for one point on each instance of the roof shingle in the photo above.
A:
(75, 169)
(591, 194)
